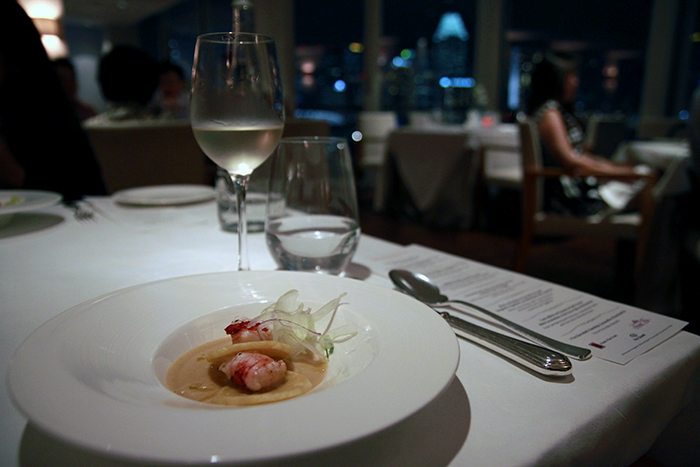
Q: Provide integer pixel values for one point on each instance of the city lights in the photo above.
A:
(398, 62)
(456, 82)
(308, 67)
(339, 85)
(356, 47)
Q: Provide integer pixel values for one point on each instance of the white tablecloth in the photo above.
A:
(672, 157)
(493, 413)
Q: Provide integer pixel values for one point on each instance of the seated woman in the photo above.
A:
(553, 90)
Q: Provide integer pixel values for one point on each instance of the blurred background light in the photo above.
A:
(339, 85)
(356, 47)
(47, 9)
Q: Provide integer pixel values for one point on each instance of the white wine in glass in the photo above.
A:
(237, 109)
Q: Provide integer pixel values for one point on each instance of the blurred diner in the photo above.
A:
(128, 78)
(171, 100)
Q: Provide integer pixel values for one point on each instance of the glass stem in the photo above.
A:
(240, 184)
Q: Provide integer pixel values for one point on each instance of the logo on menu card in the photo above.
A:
(639, 323)
(635, 337)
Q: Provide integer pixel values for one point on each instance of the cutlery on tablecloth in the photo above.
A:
(420, 287)
(539, 359)
(81, 210)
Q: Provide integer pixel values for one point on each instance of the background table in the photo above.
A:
(660, 276)
(671, 157)
(431, 174)
(492, 413)
(435, 172)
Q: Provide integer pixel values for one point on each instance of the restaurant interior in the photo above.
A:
(362, 70)
(431, 97)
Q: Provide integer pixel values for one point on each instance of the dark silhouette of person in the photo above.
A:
(42, 144)
(128, 78)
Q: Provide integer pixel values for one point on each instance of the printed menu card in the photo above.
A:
(613, 331)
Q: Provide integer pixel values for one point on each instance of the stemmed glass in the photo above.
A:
(237, 109)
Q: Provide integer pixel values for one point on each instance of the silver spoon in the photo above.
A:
(420, 287)
(533, 357)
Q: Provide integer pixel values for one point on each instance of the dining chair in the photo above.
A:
(604, 133)
(501, 167)
(305, 127)
(293, 128)
(375, 127)
(662, 127)
(536, 221)
(149, 153)
(500, 155)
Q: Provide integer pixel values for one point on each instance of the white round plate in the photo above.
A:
(164, 195)
(93, 375)
(24, 200)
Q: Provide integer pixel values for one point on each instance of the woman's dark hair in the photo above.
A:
(547, 81)
(127, 74)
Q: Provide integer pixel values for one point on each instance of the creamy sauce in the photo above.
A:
(194, 377)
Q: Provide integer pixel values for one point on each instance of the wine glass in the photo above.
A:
(237, 109)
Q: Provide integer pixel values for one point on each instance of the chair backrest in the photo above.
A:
(132, 155)
(604, 133)
(531, 150)
(306, 127)
(421, 119)
(375, 127)
(500, 152)
(661, 127)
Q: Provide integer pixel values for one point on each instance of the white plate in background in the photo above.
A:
(164, 195)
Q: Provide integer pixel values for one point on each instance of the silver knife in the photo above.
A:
(533, 357)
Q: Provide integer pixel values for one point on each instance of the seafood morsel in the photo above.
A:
(248, 331)
(255, 371)
(274, 356)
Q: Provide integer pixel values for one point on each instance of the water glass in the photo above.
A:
(312, 221)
